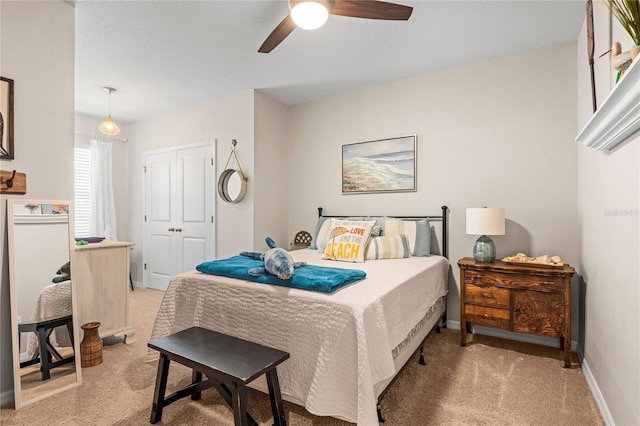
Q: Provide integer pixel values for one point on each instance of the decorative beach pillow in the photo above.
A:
(323, 236)
(388, 247)
(380, 220)
(418, 234)
(347, 239)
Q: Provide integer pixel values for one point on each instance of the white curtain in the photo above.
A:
(103, 209)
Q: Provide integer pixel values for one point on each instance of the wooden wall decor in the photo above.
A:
(12, 182)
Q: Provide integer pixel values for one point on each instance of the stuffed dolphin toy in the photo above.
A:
(277, 261)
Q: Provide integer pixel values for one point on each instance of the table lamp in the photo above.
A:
(485, 221)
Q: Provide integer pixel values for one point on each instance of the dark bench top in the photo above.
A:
(236, 358)
(48, 322)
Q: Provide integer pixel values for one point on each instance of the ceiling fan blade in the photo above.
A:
(281, 32)
(371, 9)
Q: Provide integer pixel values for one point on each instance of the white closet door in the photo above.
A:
(179, 208)
(160, 248)
(195, 229)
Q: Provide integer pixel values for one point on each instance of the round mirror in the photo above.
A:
(232, 186)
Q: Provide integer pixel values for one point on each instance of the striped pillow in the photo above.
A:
(418, 234)
(388, 247)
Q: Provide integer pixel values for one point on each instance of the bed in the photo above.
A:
(347, 346)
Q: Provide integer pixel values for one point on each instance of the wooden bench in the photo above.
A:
(229, 363)
(48, 356)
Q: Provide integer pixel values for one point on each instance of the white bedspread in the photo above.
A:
(340, 343)
(53, 301)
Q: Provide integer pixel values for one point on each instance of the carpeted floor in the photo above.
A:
(490, 382)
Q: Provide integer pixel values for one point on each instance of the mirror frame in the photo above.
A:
(17, 385)
(223, 185)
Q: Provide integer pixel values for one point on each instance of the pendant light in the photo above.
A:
(108, 126)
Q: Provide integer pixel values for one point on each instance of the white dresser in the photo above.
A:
(100, 276)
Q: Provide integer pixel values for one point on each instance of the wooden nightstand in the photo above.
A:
(524, 298)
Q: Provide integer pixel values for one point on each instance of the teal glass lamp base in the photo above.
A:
(484, 250)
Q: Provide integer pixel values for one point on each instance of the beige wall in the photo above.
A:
(498, 133)
(222, 120)
(609, 198)
(271, 172)
(37, 52)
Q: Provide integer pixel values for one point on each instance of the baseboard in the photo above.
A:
(519, 337)
(6, 398)
(597, 395)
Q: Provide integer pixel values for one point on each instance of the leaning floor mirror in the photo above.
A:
(44, 330)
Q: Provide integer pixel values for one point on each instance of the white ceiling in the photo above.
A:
(168, 55)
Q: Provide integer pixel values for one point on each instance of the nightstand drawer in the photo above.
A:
(482, 315)
(485, 295)
(515, 280)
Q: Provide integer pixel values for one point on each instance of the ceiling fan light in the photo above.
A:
(109, 127)
(309, 15)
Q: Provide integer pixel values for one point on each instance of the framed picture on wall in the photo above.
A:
(6, 118)
(385, 165)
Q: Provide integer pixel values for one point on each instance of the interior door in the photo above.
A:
(194, 219)
(160, 248)
(179, 212)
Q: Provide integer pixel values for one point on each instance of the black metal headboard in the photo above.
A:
(441, 217)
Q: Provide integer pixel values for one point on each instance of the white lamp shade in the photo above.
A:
(485, 221)
(309, 15)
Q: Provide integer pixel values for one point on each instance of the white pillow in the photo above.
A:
(347, 239)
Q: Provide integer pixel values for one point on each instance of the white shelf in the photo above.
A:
(40, 218)
(618, 117)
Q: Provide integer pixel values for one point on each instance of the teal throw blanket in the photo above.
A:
(310, 277)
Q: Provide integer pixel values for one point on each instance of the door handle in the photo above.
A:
(171, 229)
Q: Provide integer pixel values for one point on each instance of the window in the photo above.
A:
(82, 187)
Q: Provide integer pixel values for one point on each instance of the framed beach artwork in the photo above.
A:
(386, 165)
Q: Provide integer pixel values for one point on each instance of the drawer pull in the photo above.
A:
(488, 296)
(546, 282)
(486, 316)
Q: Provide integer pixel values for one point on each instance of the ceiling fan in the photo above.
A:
(318, 10)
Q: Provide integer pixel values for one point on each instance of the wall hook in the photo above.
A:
(9, 182)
